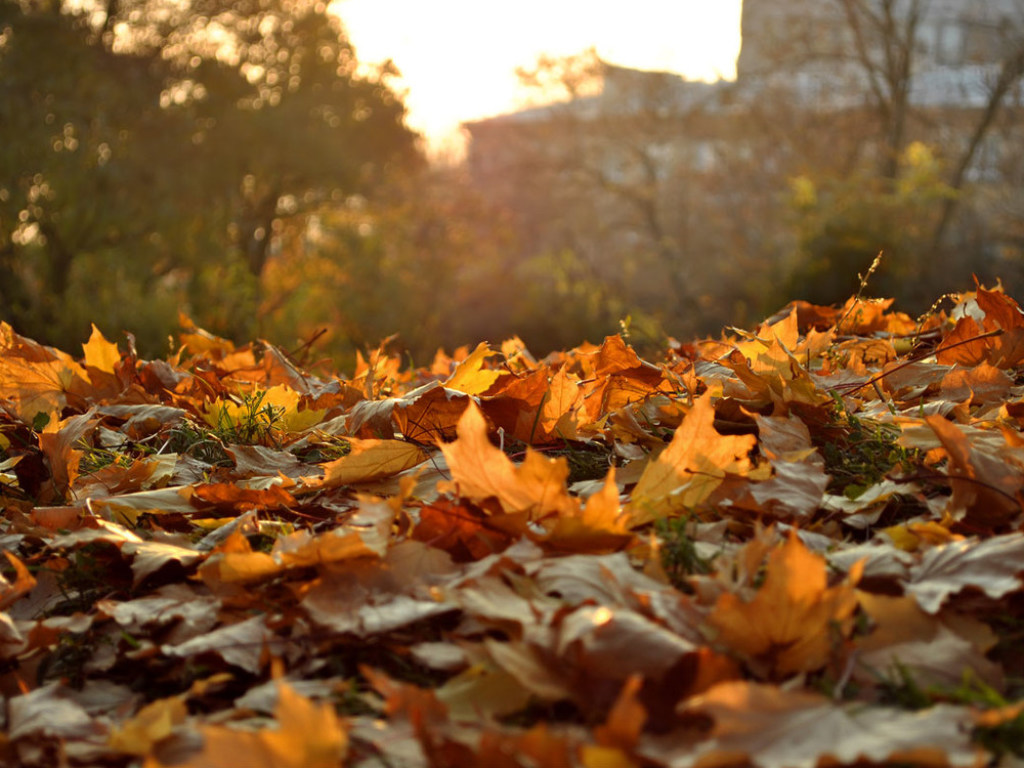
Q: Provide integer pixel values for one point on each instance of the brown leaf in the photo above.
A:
(463, 532)
(772, 728)
(244, 645)
(986, 487)
(993, 566)
(242, 499)
(799, 484)
(626, 718)
(979, 385)
(429, 417)
(905, 639)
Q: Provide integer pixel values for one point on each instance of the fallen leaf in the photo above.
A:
(690, 468)
(986, 488)
(100, 353)
(470, 376)
(368, 460)
(481, 472)
(306, 735)
(153, 723)
(770, 728)
(794, 621)
(992, 566)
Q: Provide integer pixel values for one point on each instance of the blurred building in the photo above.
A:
(806, 48)
(651, 163)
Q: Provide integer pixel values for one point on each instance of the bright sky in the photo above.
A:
(458, 57)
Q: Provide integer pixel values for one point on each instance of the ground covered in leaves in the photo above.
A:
(795, 546)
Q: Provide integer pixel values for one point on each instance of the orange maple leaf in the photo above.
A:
(693, 465)
(790, 624)
(308, 735)
(482, 473)
(36, 379)
(600, 526)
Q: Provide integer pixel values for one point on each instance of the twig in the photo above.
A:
(918, 358)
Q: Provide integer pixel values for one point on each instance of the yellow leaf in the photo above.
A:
(308, 735)
(368, 460)
(100, 353)
(594, 756)
(480, 471)
(690, 468)
(790, 624)
(35, 378)
(153, 723)
(556, 417)
(601, 526)
(470, 376)
(285, 402)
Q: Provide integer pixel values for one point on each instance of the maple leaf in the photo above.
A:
(981, 384)
(690, 468)
(600, 526)
(798, 486)
(367, 460)
(463, 532)
(904, 639)
(767, 727)
(993, 566)
(430, 417)
(625, 719)
(37, 380)
(470, 376)
(556, 417)
(306, 735)
(986, 487)
(150, 725)
(999, 339)
(481, 473)
(617, 378)
(100, 353)
(790, 625)
(23, 582)
(61, 442)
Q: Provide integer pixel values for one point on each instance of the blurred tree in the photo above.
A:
(840, 222)
(81, 131)
(905, 71)
(622, 199)
(426, 259)
(173, 143)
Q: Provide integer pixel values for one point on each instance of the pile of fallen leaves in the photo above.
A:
(790, 547)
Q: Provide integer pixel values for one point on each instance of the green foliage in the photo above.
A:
(860, 452)
(904, 691)
(1000, 739)
(843, 223)
(94, 459)
(254, 423)
(200, 443)
(565, 298)
(679, 557)
(426, 258)
(142, 170)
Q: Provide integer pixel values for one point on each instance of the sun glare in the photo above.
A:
(458, 57)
